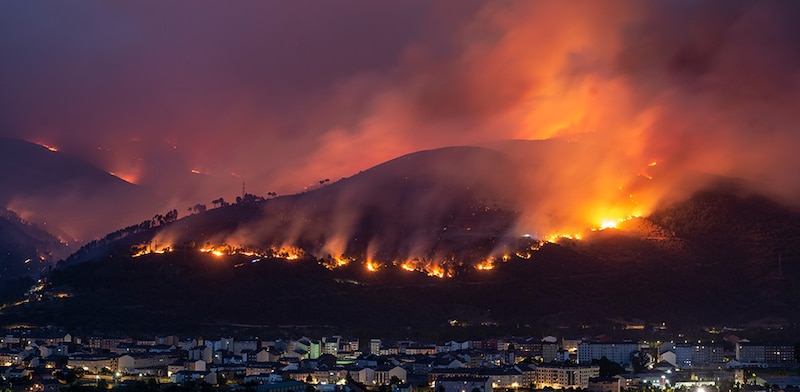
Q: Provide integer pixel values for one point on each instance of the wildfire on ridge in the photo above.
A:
(219, 251)
(429, 267)
(613, 223)
(129, 178)
(435, 267)
(438, 272)
(608, 224)
(485, 265)
(47, 146)
(148, 248)
(284, 252)
(525, 255)
(489, 263)
(554, 238)
(287, 252)
(610, 210)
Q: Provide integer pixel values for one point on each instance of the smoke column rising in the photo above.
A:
(281, 95)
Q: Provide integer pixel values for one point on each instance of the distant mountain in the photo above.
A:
(65, 195)
(720, 256)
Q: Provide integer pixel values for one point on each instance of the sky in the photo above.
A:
(191, 99)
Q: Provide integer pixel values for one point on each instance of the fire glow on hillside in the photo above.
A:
(438, 268)
(630, 86)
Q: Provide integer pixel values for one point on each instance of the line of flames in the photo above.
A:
(431, 267)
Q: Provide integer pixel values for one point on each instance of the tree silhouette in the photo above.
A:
(608, 368)
(640, 361)
(171, 216)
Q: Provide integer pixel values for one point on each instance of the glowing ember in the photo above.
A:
(287, 252)
(332, 262)
(148, 248)
(486, 265)
(525, 255)
(556, 237)
(437, 272)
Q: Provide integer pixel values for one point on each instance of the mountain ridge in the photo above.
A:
(683, 264)
(64, 193)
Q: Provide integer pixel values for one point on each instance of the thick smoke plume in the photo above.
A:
(281, 95)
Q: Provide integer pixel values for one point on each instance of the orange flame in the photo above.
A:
(486, 265)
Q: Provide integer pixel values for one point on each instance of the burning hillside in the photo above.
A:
(717, 257)
(440, 212)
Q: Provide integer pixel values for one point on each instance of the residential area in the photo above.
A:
(52, 361)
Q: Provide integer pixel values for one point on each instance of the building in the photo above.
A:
(615, 352)
(136, 362)
(185, 376)
(563, 376)
(363, 375)
(604, 384)
(330, 345)
(696, 355)
(93, 363)
(383, 375)
(374, 346)
(769, 354)
(105, 342)
(503, 377)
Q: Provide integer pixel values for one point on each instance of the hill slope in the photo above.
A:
(433, 206)
(721, 256)
(25, 250)
(64, 194)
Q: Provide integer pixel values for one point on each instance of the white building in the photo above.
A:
(563, 376)
(615, 352)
